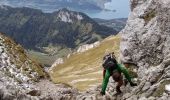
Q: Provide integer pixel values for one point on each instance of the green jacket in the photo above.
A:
(120, 68)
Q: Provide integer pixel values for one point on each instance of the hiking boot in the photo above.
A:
(118, 93)
(102, 93)
(118, 90)
(125, 82)
(133, 84)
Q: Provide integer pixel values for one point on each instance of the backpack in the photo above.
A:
(109, 61)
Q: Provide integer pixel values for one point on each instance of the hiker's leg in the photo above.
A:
(105, 80)
(120, 83)
(118, 78)
(116, 75)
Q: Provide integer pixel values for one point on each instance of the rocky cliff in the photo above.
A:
(146, 43)
(17, 71)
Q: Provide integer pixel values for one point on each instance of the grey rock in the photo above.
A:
(146, 86)
(151, 98)
(145, 42)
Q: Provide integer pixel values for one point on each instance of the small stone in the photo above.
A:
(34, 93)
(167, 88)
(143, 98)
(146, 86)
(1, 50)
(151, 98)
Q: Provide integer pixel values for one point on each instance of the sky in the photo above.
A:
(121, 6)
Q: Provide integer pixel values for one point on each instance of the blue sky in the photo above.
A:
(121, 6)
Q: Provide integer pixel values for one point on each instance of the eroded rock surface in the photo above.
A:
(17, 72)
(146, 43)
(86, 47)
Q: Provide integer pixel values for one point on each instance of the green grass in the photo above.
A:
(149, 16)
(47, 59)
(42, 58)
(85, 66)
(160, 90)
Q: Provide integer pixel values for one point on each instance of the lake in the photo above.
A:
(121, 8)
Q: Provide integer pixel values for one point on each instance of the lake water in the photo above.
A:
(108, 15)
(121, 7)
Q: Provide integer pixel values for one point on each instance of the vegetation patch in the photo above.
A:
(43, 59)
(149, 16)
(160, 90)
(132, 73)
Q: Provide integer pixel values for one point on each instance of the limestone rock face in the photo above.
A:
(86, 47)
(146, 43)
(58, 61)
(17, 71)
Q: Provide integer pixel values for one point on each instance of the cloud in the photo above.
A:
(4, 2)
(121, 6)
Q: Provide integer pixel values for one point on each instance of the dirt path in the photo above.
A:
(55, 91)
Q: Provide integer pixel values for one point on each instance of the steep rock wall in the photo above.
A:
(146, 43)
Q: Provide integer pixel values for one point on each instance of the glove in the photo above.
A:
(125, 82)
(133, 84)
(102, 93)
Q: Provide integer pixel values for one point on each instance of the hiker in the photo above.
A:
(114, 69)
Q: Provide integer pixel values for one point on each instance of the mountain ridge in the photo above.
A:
(34, 29)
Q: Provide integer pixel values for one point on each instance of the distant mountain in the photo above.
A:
(116, 24)
(61, 29)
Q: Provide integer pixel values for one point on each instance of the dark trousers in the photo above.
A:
(117, 77)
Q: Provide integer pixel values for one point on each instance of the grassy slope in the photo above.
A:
(84, 70)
